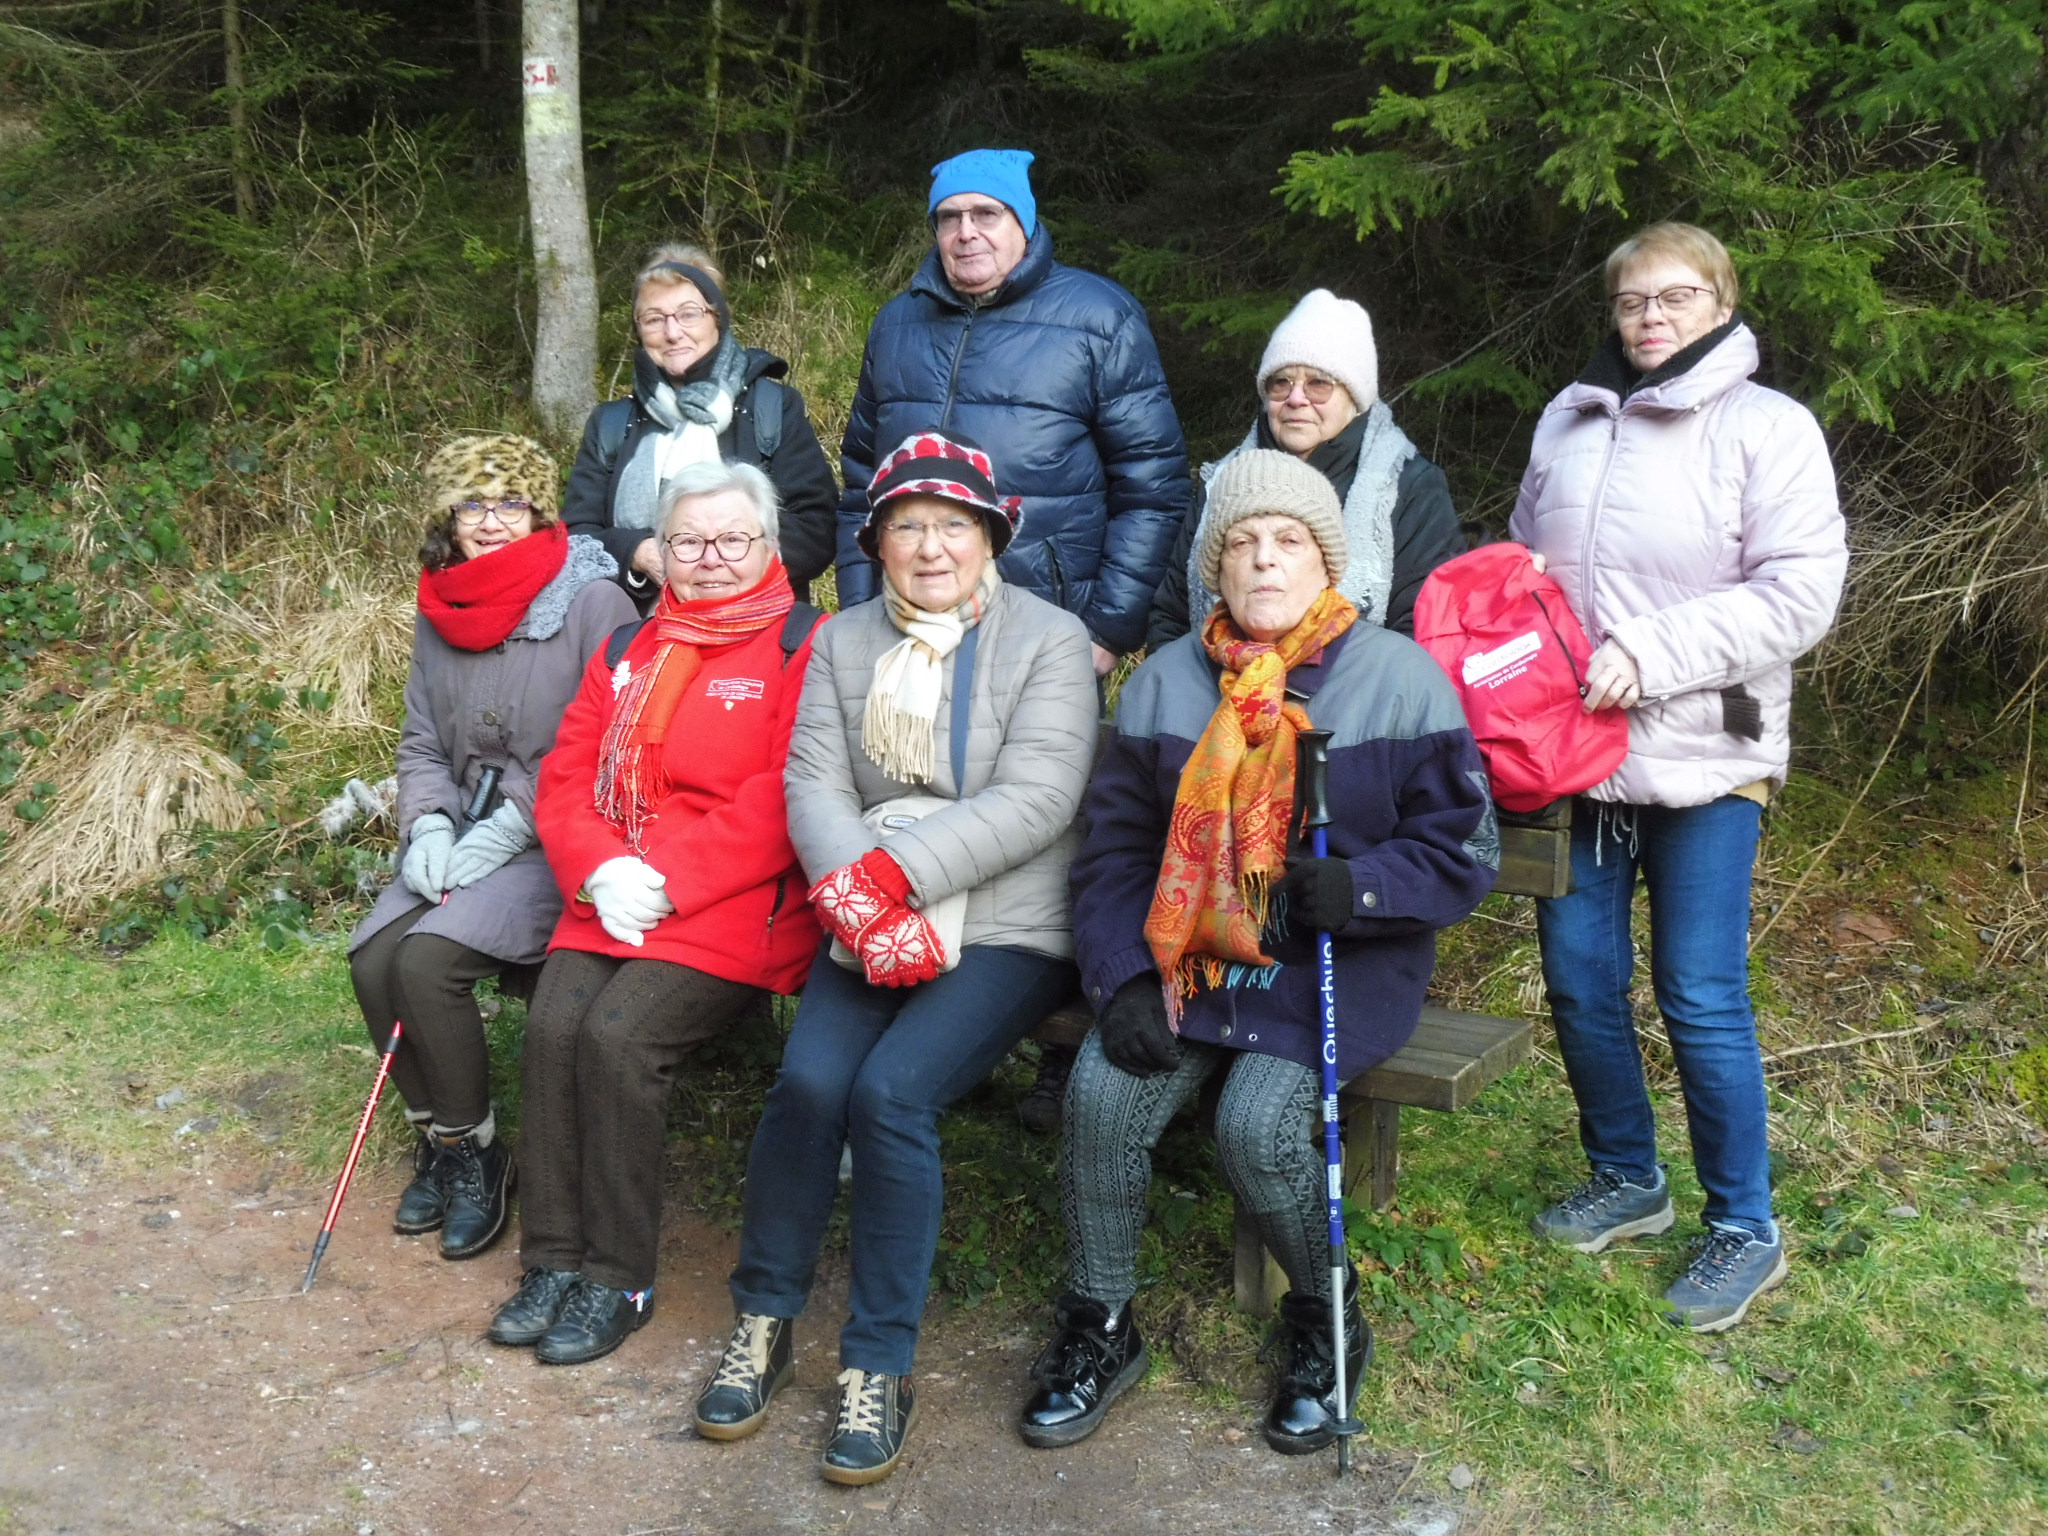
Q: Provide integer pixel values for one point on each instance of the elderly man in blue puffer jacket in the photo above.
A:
(1054, 371)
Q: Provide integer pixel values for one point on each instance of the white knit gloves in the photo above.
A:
(629, 898)
(490, 845)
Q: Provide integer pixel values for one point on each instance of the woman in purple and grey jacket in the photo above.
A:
(1194, 922)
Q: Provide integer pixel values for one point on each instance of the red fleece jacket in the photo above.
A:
(720, 835)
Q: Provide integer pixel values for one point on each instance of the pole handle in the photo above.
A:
(1312, 768)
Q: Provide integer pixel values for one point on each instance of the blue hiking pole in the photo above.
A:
(1312, 749)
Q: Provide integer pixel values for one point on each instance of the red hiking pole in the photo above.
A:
(355, 1153)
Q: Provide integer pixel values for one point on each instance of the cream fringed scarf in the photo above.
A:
(903, 699)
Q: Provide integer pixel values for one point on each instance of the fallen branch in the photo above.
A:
(1839, 1045)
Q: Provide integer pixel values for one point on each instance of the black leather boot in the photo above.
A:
(876, 1412)
(1089, 1362)
(759, 1360)
(478, 1181)
(1305, 1410)
(594, 1321)
(422, 1205)
(1043, 1103)
(534, 1306)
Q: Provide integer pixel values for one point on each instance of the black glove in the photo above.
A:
(1135, 1034)
(1318, 894)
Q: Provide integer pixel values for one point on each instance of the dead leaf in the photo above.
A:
(1862, 928)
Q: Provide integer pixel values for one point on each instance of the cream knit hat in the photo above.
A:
(1264, 482)
(1332, 335)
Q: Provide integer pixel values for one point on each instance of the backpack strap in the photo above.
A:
(614, 420)
(796, 629)
(769, 397)
(615, 647)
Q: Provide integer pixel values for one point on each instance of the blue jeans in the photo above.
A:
(874, 1067)
(1696, 863)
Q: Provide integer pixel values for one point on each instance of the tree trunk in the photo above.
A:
(483, 39)
(240, 159)
(565, 331)
(799, 99)
(714, 80)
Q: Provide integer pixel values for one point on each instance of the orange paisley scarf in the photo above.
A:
(1227, 841)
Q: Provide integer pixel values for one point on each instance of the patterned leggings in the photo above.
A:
(1267, 1123)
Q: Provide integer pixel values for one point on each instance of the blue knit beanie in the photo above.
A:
(1003, 174)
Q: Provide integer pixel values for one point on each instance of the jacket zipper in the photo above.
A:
(1059, 577)
(781, 890)
(1593, 513)
(953, 373)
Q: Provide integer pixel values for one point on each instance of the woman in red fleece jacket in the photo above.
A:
(661, 811)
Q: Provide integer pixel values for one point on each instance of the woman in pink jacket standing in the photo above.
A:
(1690, 515)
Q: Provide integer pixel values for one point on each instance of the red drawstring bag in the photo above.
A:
(1517, 655)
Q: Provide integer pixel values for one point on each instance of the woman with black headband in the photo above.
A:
(698, 396)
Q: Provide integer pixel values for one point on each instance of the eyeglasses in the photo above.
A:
(985, 218)
(732, 547)
(909, 534)
(660, 320)
(1672, 301)
(470, 514)
(1315, 386)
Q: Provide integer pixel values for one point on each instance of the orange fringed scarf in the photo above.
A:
(1227, 841)
(631, 779)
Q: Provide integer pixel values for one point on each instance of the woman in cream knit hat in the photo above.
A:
(1195, 918)
(1319, 388)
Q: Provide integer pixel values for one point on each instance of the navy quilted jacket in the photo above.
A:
(1414, 821)
(1057, 376)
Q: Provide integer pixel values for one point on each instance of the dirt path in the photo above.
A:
(159, 1374)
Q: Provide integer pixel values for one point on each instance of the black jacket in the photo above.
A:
(1426, 534)
(803, 476)
(1056, 374)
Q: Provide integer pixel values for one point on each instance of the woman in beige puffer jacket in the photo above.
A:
(1690, 515)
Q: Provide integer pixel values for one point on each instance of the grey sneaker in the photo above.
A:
(1605, 1209)
(1734, 1267)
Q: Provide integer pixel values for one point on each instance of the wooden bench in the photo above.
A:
(1445, 1065)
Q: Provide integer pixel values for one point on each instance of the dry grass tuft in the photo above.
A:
(121, 817)
(347, 649)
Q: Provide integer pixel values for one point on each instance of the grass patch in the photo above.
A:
(1898, 1382)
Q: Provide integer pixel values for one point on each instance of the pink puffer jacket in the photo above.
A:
(1696, 525)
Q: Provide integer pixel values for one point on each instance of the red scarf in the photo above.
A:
(631, 778)
(475, 605)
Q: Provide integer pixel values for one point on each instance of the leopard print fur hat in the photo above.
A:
(493, 466)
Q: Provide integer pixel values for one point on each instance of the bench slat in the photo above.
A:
(1449, 1059)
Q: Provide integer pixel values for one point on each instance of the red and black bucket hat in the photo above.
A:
(951, 467)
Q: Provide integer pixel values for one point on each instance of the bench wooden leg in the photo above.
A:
(1261, 1282)
(1386, 1151)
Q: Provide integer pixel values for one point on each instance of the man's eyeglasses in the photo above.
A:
(660, 320)
(947, 221)
(471, 514)
(1673, 301)
(732, 547)
(1315, 386)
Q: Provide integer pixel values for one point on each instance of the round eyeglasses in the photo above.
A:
(732, 547)
(1315, 386)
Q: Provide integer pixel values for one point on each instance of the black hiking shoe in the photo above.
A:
(875, 1415)
(534, 1306)
(1088, 1364)
(1305, 1411)
(478, 1185)
(593, 1322)
(422, 1205)
(1040, 1109)
(759, 1360)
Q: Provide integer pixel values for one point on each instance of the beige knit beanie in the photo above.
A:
(1264, 482)
(1331, 335)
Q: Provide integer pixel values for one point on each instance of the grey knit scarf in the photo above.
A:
(691, 420)
(587, 561)
(1368, 519)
